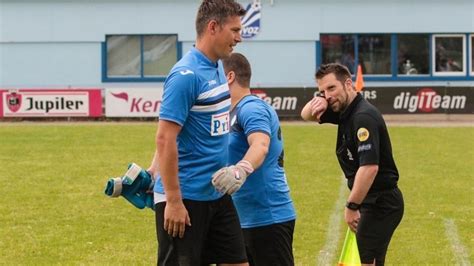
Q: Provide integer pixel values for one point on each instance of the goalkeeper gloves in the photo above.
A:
(230, 179)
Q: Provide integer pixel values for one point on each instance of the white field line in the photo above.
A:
(459, 250)
(327, 253)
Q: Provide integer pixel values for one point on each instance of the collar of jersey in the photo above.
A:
(203, 57)
(351, 106)
(242, 101)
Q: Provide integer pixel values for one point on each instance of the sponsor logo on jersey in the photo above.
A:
(362, 134)
(186, 72)
(251, 20)
(220, 124)
(365, 147)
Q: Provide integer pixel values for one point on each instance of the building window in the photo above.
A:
(404, 56)
(160, 54)
(338, 48)
(139, 57)
(449, 54)
(123, 56)
(413, 54)
(375, 54)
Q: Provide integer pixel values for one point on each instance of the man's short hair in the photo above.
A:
(340, 71)
(240, 65)
(218, 10)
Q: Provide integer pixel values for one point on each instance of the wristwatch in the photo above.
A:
(352, 206)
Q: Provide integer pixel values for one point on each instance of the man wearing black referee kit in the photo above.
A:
(375, 204)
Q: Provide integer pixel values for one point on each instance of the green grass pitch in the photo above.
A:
(53, 209)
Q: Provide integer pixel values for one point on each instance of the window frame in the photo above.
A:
(467, 74)
(391, 43)
(433, 56)
(395, 51)
(470, 53)
(142, 77)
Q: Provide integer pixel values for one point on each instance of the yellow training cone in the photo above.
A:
(350, 251)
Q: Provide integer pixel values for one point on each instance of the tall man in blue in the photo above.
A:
(196, 224)
(263, 202)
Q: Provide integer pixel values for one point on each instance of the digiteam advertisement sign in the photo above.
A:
(419, 100)
(251, 20)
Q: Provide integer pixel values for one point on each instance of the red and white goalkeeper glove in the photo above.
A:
(230, 179)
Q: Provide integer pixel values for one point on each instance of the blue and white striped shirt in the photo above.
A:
(196, 96)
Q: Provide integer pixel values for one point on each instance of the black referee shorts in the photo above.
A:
(270, 245)
(214, 236)
(380, 214)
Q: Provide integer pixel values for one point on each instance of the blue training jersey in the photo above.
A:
(264, 198)
(196, 96)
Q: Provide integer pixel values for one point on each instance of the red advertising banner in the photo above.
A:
(50, 103)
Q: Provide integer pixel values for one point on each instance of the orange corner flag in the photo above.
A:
(350, 251)
(359, 85)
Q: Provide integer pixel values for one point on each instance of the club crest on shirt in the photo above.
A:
(362, 134)
(220, 124)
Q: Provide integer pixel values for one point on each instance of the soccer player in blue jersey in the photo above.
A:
(261, 196)
(196, 224)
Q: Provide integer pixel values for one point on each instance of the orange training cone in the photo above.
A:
(350, 251)
(359, 84)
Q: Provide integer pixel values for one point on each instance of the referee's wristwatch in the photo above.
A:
(352, 206)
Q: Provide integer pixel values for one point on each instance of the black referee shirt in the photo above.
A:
(362, 139)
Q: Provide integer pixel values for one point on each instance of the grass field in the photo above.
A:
(53, 209)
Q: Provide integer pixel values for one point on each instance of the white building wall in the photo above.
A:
(58, 42)
(51, 64)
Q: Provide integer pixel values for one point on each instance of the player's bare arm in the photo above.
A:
(153, 168)
(176, 216)
(258, 148)
(230, 179)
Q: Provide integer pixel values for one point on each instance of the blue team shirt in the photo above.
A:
(196, 96)
(264, 198)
